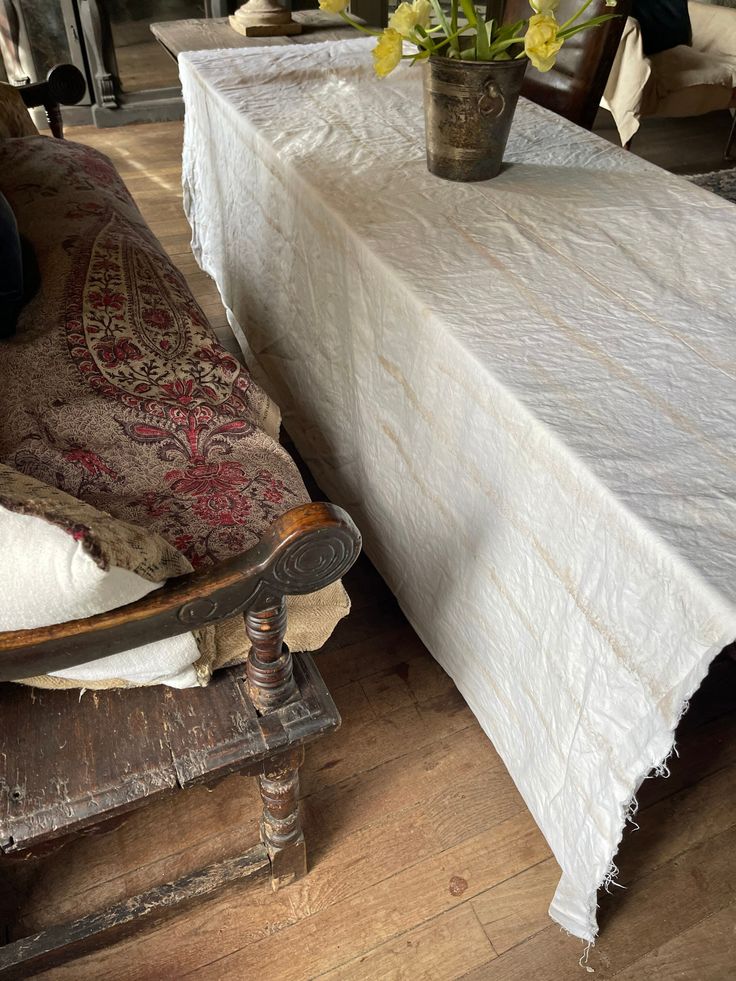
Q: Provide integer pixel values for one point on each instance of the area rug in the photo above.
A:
(720, 182)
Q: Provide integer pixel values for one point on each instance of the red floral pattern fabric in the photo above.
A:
(114, 388)
(108, 541)
(172, 423)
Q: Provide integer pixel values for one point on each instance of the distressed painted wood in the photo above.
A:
(281, 827)
(50, 947)
(45, 735)
(73, 762)
(76, 763)
(203, 34)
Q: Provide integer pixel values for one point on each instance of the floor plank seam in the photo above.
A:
(389, 940)
(438, 851)
(672, 940)
(477, 918)
(390, 759)
(368, 889)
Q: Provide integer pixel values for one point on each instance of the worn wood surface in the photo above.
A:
(64, 762)
(212, 33)
(24, 957)
(124, 749)
(424, 863)
(73, 761)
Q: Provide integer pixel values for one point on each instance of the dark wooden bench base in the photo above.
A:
(62, 943)
(188, 737)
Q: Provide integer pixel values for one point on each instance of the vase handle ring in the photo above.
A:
(491, 102)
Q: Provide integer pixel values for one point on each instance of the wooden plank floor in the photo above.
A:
(425, 863)
(691, 145)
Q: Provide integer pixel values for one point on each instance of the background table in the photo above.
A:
(209, 33)
(521, 390)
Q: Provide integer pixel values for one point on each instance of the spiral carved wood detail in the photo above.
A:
(203, 610)
(307, 548)
(315, 560)
(305, 564)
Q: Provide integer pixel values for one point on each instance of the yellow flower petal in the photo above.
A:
(408, 16)
(387, 52)
(333, 6)
(544, 6)
(540, 41)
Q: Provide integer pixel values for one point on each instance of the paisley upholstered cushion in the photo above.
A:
(116, 391)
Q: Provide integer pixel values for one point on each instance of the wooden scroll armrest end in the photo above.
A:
(304, 550)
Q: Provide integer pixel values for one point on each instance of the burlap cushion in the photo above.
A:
(14, 117)
(115, 389)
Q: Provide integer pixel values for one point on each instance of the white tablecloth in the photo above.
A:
(522, 390)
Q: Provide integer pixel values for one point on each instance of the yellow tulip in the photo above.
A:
(409, 16)
(387, 52)
(333, 6)
(545, 6)
(540, 41)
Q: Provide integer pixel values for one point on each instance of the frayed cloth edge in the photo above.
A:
(659, 769)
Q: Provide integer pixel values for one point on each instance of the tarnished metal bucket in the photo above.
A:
(468, 108)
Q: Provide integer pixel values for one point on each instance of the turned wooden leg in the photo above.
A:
(269, 673)
(269, 667)
(281, 829)
(54, 119)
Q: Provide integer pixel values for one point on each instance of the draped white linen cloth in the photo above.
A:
(522, 390)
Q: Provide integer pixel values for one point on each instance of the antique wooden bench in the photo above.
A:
(75, 764)
(72, 764)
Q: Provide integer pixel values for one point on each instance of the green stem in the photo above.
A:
(508, 42)
(443, 20)
(591, 22)
(451, 38)
(575, 16)
(359, 27)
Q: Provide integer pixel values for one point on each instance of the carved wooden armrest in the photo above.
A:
(307, 548)
(64, 86)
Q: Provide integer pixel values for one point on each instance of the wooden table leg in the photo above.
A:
(281, 829)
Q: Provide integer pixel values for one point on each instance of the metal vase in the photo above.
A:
(468, 108)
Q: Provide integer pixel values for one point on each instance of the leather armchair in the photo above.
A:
(573, 88)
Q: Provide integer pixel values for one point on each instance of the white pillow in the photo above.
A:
(50, 574)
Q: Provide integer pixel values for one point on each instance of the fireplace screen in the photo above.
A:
(129, 75)
(142, 62)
